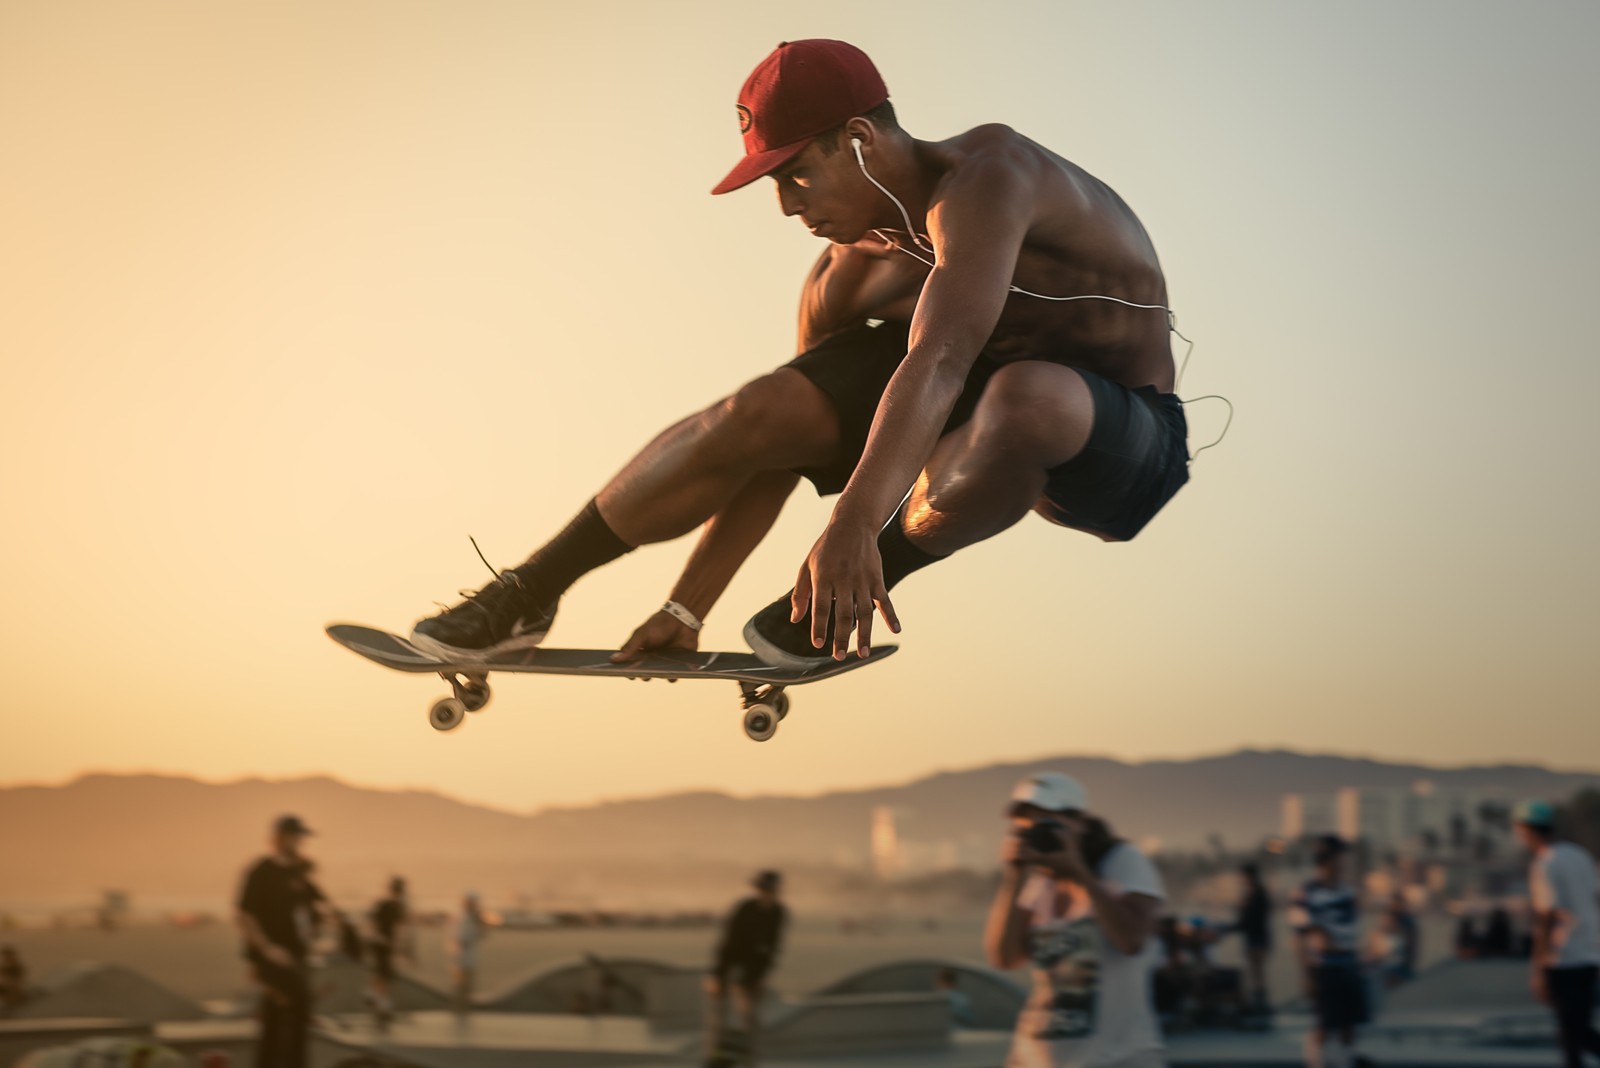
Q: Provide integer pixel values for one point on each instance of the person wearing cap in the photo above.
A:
(466, 936)
(745, 954)
(271, 906)
(1325, 915)
(1565, 963)
(1080, 907)
(389, 936)
(985, 334)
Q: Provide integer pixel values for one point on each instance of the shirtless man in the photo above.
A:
(986, 331)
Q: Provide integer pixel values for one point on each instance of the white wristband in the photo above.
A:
(681, 614)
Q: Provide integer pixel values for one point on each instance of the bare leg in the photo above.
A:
(695, 467)
(749, 1001)
(716, 1010)
(987, 474)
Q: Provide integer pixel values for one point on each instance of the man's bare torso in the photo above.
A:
(1082, 239)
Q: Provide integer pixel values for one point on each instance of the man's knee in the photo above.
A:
(1041, 411)
(780, 417)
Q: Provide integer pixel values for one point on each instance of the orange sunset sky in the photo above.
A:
(294, 297)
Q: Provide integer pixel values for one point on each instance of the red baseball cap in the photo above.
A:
(804, 88)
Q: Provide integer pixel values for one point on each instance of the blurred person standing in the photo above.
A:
(1403, 928)
(388, 938)
(465, 938)
(1566, 928)
(1253, 922)
(746, 952)
(1325, 914)
(1081, 907)
(13, 978)
(946, 982)
(270, 916)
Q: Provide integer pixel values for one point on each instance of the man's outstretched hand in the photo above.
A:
(660, 631)
(844, 572)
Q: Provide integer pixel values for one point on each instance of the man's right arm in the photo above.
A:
(847, 286)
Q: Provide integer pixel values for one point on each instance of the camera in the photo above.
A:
(1044, 836)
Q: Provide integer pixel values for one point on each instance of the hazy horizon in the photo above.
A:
(866, 785)
(302, 296)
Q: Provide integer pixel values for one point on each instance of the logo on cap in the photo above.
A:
(745, 118)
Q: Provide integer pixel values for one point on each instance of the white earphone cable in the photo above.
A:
(1172, 316)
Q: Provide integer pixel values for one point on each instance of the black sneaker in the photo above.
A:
(501, 617)
(781, 643)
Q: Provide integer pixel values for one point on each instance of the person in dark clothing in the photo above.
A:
(749, 946)
(1254, 924)
(13, 978)
(1497, 939)
(390, 923)
(272, 902)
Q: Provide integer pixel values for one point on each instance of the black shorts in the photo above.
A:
(747, 974)
(1136, 458)
(1341, 995)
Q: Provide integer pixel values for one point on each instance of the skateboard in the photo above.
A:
(761, 686)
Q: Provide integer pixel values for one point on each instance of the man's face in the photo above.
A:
(829, 194)
(1529, 838)
(288, 843)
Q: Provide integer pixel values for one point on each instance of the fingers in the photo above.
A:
(631, 649)
(800, 596)
(844, 621)
(886, 609)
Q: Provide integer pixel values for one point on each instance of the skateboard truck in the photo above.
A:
(765, 704)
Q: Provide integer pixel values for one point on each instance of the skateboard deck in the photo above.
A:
(761, 685)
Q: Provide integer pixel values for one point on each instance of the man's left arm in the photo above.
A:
(977, 228)
(1127, 919)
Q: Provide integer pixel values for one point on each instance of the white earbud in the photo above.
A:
(855, 143)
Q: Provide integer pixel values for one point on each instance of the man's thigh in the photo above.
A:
(1136, 458)
(852, 369)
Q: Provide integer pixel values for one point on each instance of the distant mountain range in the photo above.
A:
(172, 838)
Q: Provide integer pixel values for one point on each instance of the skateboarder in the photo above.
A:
(271, 906)
(390, 922)
(985, 335)
(746, 952)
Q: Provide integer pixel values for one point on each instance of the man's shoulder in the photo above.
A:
(260, 867)
(993, 148)
(1569, 858)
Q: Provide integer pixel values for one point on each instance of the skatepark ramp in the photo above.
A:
(105, 991)
(613, 986)
(992, 997)
(858, 1023)
(341, 988)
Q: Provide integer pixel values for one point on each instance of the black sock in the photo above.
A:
(585, 544)
(900, 556)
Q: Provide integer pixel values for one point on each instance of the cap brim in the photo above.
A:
(759, 165)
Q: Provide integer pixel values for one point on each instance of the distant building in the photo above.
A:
(1308, 814)
(886, 854)
(1418, 820)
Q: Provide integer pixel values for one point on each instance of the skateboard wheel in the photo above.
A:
(780, 704)
(447, 713)
(760, 722)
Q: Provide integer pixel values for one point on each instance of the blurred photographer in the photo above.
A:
(1080, 906)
